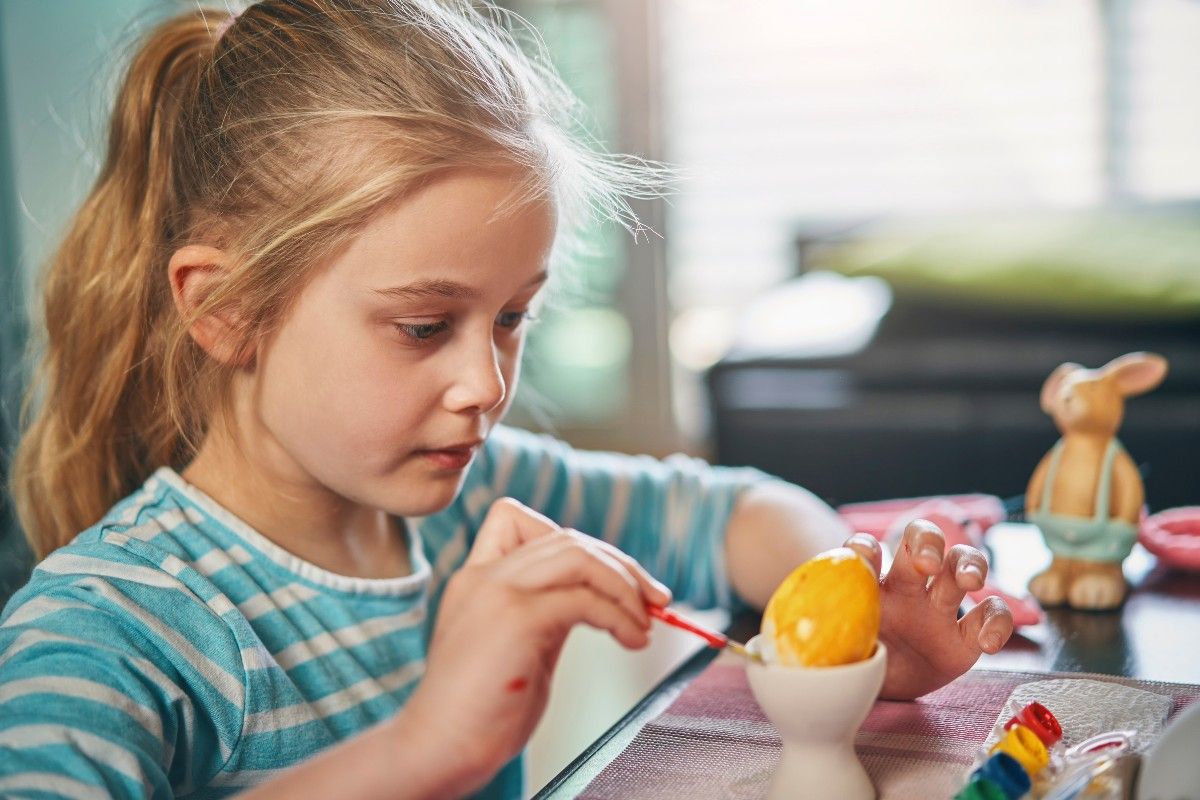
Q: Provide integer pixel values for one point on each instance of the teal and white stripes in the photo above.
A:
(171, 650)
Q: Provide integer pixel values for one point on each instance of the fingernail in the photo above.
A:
(929, 551)
(973, 569)
(992, 642)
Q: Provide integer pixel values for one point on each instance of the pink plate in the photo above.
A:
(877, 517)
(1174, 536)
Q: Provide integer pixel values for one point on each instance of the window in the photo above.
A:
(596, 370)
(795, 114)
(577, 365)
(789, 114)
(1158, 114)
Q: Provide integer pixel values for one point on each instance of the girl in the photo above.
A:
(286, 542)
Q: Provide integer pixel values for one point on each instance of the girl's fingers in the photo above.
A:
(918, 556)
(570, 605)
(566, 561)
(987, 626)
(868, 547)
(654, 591)
(507, 526)
(963, 571)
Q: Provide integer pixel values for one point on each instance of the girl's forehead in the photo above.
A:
(464, 226)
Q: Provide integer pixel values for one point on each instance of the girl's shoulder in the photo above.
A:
(155, 521)
(148, 542)
(120, 617)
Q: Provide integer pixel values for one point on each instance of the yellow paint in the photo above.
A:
(1023, 744)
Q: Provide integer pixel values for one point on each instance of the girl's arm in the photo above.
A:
(393, 760)
(699, 528)
(671, 515)
(500, 626)
(774, 527)
(104, 690)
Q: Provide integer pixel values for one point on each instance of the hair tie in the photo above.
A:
(224, 26)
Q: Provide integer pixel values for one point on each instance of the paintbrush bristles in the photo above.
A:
(741, 650)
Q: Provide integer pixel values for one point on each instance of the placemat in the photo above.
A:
(715, 742)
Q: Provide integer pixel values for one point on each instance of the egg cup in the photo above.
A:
(817, 711)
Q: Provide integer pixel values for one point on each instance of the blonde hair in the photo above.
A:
(275, 140)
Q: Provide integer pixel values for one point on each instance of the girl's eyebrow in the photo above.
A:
(418, 290)
(429, 288)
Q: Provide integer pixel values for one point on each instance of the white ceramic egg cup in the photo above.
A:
(817, 711)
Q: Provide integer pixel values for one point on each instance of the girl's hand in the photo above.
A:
(928, 646)
(501, 625)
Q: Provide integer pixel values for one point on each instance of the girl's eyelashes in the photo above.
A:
(514, 319)
(422, 332)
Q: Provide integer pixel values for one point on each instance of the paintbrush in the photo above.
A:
(714, 639)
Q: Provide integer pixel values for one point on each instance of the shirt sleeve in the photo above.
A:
(669, 514)
(107, 685)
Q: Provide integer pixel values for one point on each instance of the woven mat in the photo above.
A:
(714, 742)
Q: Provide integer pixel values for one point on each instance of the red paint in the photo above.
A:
(517, 684)
(1044, 725)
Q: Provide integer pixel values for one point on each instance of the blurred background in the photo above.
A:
(892, 221)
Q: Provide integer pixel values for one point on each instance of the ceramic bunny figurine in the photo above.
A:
(1086, 495)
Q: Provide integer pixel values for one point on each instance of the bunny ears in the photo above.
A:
(1136, 373)
(1130, 374)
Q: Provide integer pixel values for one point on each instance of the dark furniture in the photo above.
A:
(945, 400)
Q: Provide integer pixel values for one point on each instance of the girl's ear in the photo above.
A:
(194, 272)
(1135, 373)
(1049, 398)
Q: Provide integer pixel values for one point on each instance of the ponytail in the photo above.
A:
(100, 427)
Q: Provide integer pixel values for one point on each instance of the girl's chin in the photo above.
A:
(428, 494)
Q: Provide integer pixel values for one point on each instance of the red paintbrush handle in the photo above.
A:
(670, 617)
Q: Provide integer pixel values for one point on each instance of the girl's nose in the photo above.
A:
(478, 384)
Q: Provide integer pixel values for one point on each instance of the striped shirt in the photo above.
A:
(172, 650)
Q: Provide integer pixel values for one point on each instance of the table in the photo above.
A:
(1145, 639)
(1152, 637)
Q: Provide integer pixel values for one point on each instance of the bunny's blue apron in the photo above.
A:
(1097, 539)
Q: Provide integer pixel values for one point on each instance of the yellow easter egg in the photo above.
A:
(826, 612)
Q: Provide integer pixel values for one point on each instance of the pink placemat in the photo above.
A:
(715, 742)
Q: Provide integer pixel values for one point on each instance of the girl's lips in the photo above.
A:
(456, 458)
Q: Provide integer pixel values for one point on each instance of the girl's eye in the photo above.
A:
(513, 319)
(422, 331)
